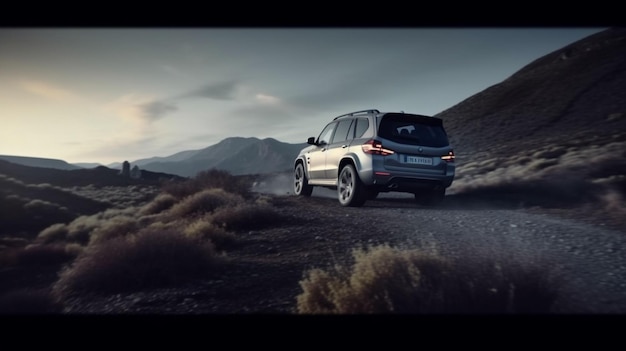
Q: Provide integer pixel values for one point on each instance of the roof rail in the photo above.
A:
(354, 113)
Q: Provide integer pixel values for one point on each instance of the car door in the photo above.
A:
(316, 158)
(338, 147)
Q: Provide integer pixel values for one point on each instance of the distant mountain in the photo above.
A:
(86, 165)
(236, 155)
(179, 156)
(39, 162)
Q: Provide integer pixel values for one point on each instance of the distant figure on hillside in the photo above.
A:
(125, 169)
(135, 173)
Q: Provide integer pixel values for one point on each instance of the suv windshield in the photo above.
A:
(413, 130)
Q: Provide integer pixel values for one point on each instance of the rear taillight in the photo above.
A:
(375, 147)
(449, 157)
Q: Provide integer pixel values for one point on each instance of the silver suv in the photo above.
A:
(363, 153)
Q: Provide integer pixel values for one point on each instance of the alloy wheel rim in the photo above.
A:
(346, 185)
(299, 181)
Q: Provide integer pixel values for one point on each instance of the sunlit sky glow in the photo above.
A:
(112, 94)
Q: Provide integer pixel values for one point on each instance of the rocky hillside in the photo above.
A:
(578, 91)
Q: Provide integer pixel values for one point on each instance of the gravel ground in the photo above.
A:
(264, 273)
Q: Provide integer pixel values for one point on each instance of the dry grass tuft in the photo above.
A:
(205, 230)
(207, 180)
(55, 233)
(150, 259)
(385, 280)
(203, 202)
(249, 216)
(113, 228)
(159, 204)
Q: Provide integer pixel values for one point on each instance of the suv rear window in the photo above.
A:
(413, 130)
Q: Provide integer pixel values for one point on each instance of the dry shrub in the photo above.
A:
(79, 229)
(207, 180)
(203, 202)
(385, 280)
(159, 204)
(204, 229)
(382, 280)
(74, 249)
(113, 228)
(166, 226)
(246, 217)
(41, 207)
(55, 233)
(150, 259)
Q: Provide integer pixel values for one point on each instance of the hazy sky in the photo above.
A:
(113, 94)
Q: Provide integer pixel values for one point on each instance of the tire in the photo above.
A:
(430, 197)
(301, 185)
(350, 189)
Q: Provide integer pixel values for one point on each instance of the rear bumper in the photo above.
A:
(411, 184)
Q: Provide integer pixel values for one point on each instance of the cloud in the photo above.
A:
(48, 91)
(377, 81)
(267, 99)
(139, 109)
(219, 91)
(156, 109)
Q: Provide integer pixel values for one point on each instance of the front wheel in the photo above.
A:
(350, 190)
(301, 185)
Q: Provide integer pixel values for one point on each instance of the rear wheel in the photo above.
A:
(350, 189)
(301, 185)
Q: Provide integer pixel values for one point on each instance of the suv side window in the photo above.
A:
(325, 135)
(342, 131)
(362, 124)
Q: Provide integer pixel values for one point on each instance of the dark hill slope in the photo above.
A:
(576, 91)
(98, 176)
(39, 162)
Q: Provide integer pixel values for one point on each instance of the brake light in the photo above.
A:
(449, 157)
(375, 147)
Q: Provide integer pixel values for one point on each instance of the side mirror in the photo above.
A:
(311, 141)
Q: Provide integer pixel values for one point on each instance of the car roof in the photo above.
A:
(377, 113)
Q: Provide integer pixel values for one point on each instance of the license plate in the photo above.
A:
(416, 160)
